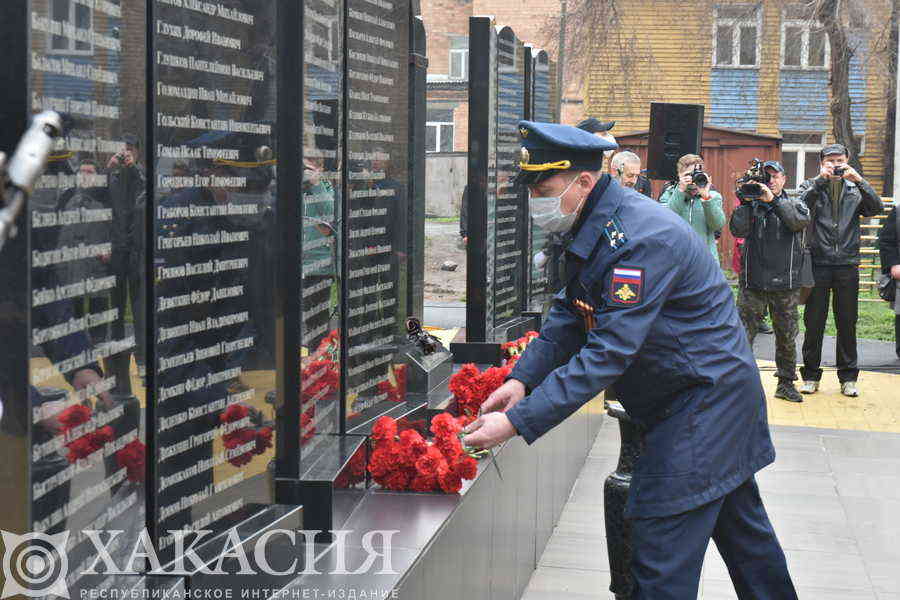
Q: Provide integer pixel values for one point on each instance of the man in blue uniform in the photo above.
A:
(647, 311)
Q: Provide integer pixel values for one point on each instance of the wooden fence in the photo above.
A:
(870, 264)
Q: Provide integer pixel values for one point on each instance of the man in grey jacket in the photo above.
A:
(837, 198)
(772, 226)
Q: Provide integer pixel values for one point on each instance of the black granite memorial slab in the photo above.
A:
(376, 269)
(215, 87)
(496, 274)
(323, 202)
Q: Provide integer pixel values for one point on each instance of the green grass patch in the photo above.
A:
(442, 219)
(876, 322)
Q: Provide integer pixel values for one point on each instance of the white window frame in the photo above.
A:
(438, 126)
(464, 52)
(805, 25)
(71, 50)
(736, 25)
(802, 150)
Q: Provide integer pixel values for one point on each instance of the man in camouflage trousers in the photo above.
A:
(773, 227)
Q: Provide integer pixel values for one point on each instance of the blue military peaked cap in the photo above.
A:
(550, 148)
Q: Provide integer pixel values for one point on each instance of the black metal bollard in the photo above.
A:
(615, 494)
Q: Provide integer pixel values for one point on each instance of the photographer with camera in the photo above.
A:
(694, 200)
(772, 225)
(836, 199)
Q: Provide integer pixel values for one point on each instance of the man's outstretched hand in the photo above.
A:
(504, 397)
(488, 430)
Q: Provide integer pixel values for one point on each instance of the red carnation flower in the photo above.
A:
(241, 459)
(444, 425)
(423, 483)
(104, 435)
(80, 448)
(385, 429)
(450, 447)
(397, 480)
(466, 467)
(450, 482)
(74, 416)
(133, 458)
(430, 462)
(239, 438)
(263, 440)
(413, 445)
(381, 462)
(233, 413)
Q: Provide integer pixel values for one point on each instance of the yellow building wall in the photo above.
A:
(661, 51)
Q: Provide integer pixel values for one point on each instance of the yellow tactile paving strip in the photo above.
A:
(877, 408)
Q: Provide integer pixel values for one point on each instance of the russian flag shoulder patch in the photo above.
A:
(627, 285)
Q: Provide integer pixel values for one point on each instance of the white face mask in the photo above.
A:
(548, 215)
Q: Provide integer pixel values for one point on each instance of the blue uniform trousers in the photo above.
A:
(668, 551)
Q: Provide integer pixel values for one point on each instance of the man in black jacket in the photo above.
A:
(889, 249)
(836, 199)
(772, 227)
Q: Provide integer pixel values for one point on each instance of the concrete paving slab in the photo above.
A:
(833, 497)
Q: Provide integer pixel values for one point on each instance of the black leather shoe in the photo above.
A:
(787, 391)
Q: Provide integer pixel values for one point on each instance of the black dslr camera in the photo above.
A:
(839, 171)
(751, 182)
(699, 179)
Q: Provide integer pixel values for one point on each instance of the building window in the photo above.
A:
(804, 42)
(736, 36)
(78, 16)
(459, 57)
(438, 136)
(800, 156)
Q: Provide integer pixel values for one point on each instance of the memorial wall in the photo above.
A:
(205, 307)
(323, 205)
(74, 292)
(214, 138)
(509, 219)
(496, 272)
(145, 290)
(377, 206)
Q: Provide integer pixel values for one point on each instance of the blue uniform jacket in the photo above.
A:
(671, 345)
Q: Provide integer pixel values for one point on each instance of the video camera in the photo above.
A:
(751, 182)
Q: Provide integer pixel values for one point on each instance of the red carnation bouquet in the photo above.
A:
(404, 460)
(319, 379)
(92, 441)
(242, 436)
(354, 473)
(395, 387)
(471, 387)
(132, 457)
